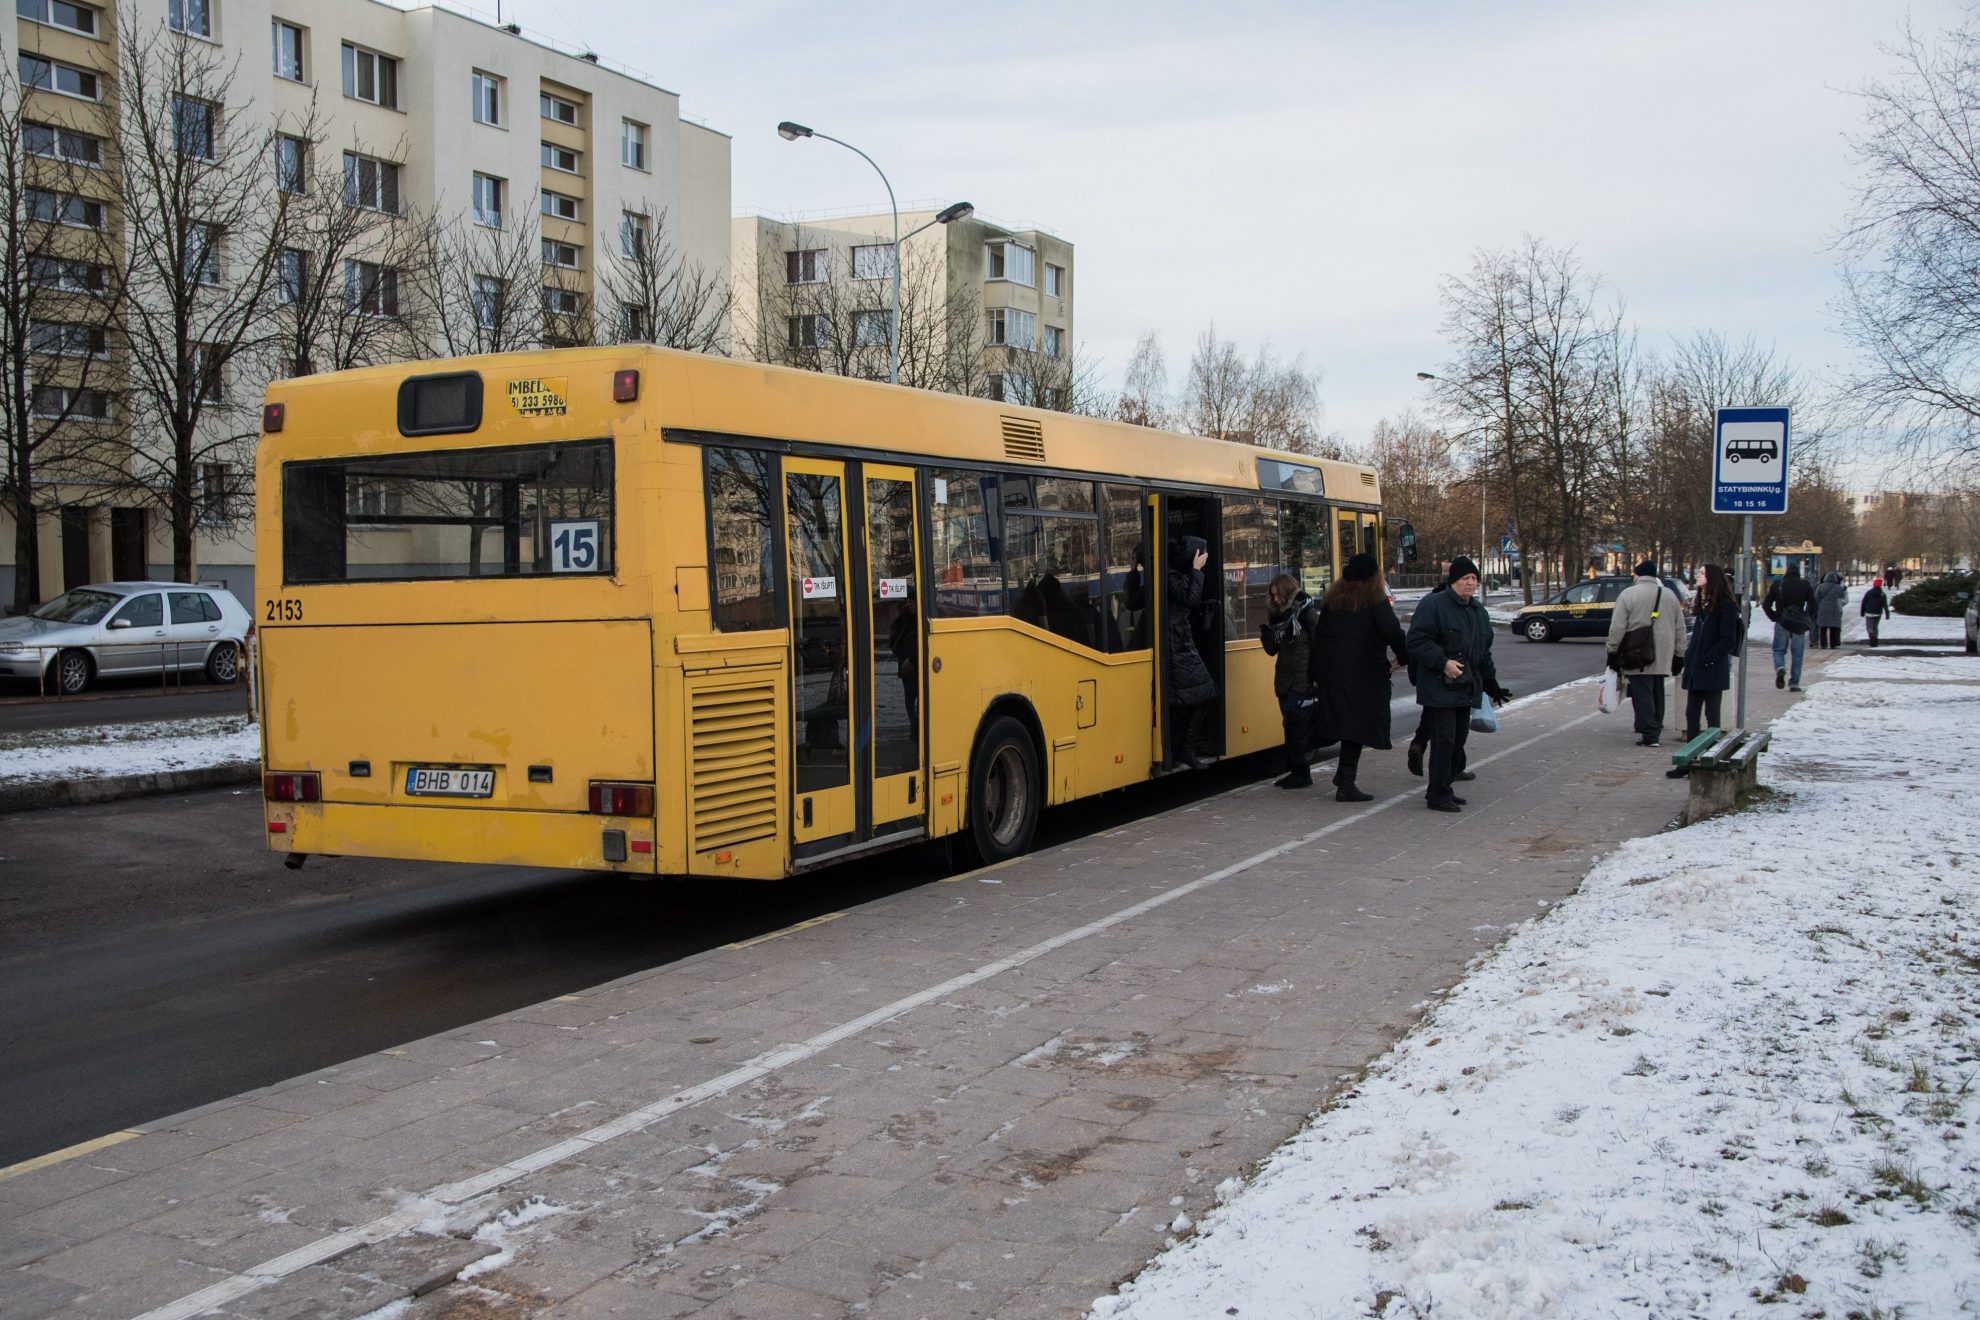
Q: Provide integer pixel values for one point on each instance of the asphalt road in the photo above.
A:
(154, 957)
(118, 701)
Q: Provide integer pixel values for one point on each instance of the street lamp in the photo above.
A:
(1484, 553)
(791, 132)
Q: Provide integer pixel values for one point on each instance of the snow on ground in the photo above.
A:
(1934, 669)
(1916, 627)
(101, 751)
(1740, 1067)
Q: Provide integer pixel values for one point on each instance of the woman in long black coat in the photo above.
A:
(1185, 677)
(1350, 664)
(1708, 658)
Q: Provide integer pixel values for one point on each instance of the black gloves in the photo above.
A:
(1502, 696)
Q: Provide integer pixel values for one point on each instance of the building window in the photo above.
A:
(633, 235)
(489, 294)
(1011, 261)
(202, 254)
(287, 40)
(291, 164)
(632, 144)
(203, 375)
(67, 276)
(806, 267)
(488, 192)
(561, 207)
(1013, 328)
(192, 127)
(870, 329)
(557, 109)
(1055, 280)
(487, 99)
(1055, 341)
(369, 76)
(810, 332)
(59, 13)
(370, 289)
(561, 158)
(50, 76)
(57, 402)
(873, 261)
(562, 255)
(216, 483)
(62, 339)
(60, 208)
(192, 17)
(560, 302)
(371, 184)
(632, 322)
(61, 144)
(289, 276)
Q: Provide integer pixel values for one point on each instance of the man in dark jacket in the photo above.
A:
(1790, 603)
(1875, 606)
(1450, 643)
(1288, 635)
(1419, 742)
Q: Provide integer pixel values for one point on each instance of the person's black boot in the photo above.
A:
(1349, 793)
(1415, 758)
(1295, 779)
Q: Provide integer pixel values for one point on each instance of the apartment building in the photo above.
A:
(430, 113)
(986, 309)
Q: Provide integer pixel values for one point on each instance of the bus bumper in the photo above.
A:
(561, 840)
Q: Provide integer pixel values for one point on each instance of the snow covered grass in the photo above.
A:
(1740, 1067)
(105, 750)
(1936, 668)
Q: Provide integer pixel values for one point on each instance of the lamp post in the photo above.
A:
(791, 132)
(1484, 551)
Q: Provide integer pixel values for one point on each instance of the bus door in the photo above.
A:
(1348, 534)
(1198, 516)
(823, 805)
(889, 726)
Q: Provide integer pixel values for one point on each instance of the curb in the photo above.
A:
(82, 792)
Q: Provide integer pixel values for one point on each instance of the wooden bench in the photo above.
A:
(1721, 764)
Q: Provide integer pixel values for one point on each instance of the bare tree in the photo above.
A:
(1262, 402)
(1216, 393)
(1144, 398)
(206, 226)
(651, 294)
(1911, 264)
(481, 284)
(1065, 383)
(59, 265)
(1418, 468)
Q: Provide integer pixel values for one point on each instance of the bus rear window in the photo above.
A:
(525, 511)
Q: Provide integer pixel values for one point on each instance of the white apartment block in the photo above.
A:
(802, 284)
(434, 113)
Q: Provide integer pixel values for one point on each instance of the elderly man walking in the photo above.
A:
(1450, 643)
(1646, 637)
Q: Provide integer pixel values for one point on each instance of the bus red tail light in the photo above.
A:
(625, 386)
(293, 786)
(621, 799)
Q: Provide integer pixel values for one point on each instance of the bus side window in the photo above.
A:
(1251, 559)
(1125, 581)
(965, 555)
(1303, 550)
(742, 539)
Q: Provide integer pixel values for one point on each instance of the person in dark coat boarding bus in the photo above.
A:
(1191, 689)
(1647, 604)
(1716, 637)
(1287, 634)
(1450, 643)
(1357, 644)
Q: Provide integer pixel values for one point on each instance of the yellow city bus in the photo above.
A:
(638, 610)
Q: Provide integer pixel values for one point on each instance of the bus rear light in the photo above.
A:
(621, 799)
(272, 417)
(278, 827)
(642, 845)
(625, 386)
(293, 786)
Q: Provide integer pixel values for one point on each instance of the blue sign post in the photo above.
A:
(1749, 476)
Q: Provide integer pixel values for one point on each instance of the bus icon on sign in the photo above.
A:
(1763, 449)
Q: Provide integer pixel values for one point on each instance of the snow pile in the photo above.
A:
(1928, 668)
(1738, 1068)
(103, 751)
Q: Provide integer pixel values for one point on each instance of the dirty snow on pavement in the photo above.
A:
(1737, 1068)
(101, 751)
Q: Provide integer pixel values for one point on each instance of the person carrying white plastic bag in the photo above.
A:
(1609, 697)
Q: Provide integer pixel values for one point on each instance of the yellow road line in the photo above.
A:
(68, 1153)
(788, 930)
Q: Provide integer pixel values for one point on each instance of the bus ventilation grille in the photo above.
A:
(1368, 478)
(733, 762)
(1024, 440)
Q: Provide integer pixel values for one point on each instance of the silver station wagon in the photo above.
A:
(119, 628)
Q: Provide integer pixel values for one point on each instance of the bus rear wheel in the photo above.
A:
(1006, 794)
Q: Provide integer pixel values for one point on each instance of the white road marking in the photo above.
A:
(439, 1199)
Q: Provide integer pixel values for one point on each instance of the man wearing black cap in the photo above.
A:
(1647, 607)
(1450, 643)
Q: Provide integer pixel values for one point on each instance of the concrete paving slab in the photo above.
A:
(968, 1098)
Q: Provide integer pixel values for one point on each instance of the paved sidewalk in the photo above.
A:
(997, 1095)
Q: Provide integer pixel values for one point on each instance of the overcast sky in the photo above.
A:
(1305, 174)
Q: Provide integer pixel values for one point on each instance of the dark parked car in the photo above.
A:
(116, 628)
(1582, 610)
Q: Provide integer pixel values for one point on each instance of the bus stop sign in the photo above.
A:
(1750, 461)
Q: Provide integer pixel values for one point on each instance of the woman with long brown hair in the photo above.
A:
(1715, 640)
(1353, 642)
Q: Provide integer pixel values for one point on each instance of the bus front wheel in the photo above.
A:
(1006, 793)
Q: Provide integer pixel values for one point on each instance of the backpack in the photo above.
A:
(1638, 648)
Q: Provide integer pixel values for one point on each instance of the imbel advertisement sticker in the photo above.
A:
(539, 396)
